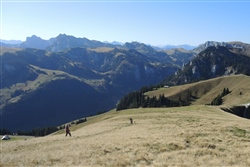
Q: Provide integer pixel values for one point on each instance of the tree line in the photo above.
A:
(4, 131)
(218, 99)
(34, 132)
(137, 99)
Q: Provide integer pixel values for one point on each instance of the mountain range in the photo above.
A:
(213, 62)
(49, 82)
(37, 42)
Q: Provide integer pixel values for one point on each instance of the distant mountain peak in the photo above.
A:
(207, 44)
(218, 59)
(35, 42)
(140, 47)
(135, 44)
(34, 37)
(168, 47)
(114, 43)
(65, 36)
(12, 42)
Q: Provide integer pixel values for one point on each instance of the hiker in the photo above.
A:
(67, 130)
(131, 120)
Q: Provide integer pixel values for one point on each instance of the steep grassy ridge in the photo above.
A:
(184, 136)
(204, 92)
(7, 49)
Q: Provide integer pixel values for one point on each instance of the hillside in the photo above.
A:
(38, 86)
(9, 49)
(76, 77)
(182, 136)
(243, 47)
(203, 92)
(214, 61)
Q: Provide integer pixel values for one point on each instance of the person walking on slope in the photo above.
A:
(131, 120)
(67, 130)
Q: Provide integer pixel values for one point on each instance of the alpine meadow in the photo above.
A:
(126, 104)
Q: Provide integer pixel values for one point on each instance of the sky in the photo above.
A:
(155, 22)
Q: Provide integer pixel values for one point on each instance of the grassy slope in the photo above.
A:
(206, 91)
(7, 49)
(186, 136)
(196, 135)
(101, 49)
(51, 75)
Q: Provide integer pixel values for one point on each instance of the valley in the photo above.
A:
(49, 82)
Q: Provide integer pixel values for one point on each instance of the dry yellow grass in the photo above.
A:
(185, 136)
(207, 90)
(7, 49)
(101, 49)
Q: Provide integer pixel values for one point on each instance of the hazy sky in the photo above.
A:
(151, 22)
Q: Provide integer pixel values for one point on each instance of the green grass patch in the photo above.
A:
(238, 132)
(159, 147)
(192, 120)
